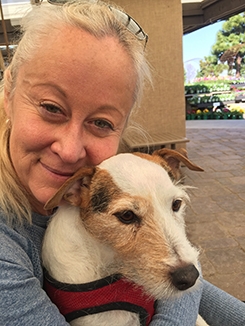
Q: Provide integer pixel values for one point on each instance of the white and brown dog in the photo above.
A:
(118, 243)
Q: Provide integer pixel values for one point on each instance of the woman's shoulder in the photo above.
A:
(33, 231)
(23, 302)
(15, 251)
(21, 243)
(13, 241)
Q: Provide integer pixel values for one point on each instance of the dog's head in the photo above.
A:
(135, 205)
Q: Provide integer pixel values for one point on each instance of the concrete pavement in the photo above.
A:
(216, 219)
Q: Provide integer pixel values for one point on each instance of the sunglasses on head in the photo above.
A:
(129, 22)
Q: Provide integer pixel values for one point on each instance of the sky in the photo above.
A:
(198, 44)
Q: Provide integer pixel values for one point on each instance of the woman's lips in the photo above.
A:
(57, 172)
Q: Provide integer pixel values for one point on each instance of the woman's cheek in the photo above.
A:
(103, 149)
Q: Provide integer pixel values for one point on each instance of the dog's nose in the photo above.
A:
(184, 277)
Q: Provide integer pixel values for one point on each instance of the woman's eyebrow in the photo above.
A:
(34, 82)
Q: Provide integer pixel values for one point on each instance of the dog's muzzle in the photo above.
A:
(184, 277)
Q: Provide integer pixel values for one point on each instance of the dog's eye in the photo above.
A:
(176, 205)
(127, 217)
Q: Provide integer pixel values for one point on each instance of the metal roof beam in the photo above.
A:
(199, 14)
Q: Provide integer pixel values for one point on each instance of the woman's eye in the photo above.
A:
(176, 204)
(103, 124)
(51, 108)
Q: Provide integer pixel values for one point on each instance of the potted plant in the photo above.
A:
(205, 114)
(226, 113)
(199, 114)
(237, 112)
(217, 113)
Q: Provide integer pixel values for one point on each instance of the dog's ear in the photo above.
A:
(73, 189)
(173, 159)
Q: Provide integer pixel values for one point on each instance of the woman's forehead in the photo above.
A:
(78, 52)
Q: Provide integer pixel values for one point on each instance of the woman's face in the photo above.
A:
(68, 110)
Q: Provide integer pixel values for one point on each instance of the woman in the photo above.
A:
(67, 95)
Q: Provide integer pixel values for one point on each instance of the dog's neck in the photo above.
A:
(80, 257)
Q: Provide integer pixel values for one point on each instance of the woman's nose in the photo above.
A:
(70, 145)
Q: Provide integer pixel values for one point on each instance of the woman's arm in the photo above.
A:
(22, 300)
(181, 311)
(219, 308)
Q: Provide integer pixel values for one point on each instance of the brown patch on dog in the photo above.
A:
(102, 190)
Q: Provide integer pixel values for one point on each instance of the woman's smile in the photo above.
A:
(57, 172)
(58, 176)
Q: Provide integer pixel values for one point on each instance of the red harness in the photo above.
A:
(110, 293)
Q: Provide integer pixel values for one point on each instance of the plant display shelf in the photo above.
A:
(210, 100)
(216, 99)
(211, 93)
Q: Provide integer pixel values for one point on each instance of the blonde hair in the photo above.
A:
(94, 17)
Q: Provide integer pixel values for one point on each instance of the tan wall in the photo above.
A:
(164, 106)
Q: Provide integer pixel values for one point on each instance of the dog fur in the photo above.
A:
(125, 216)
